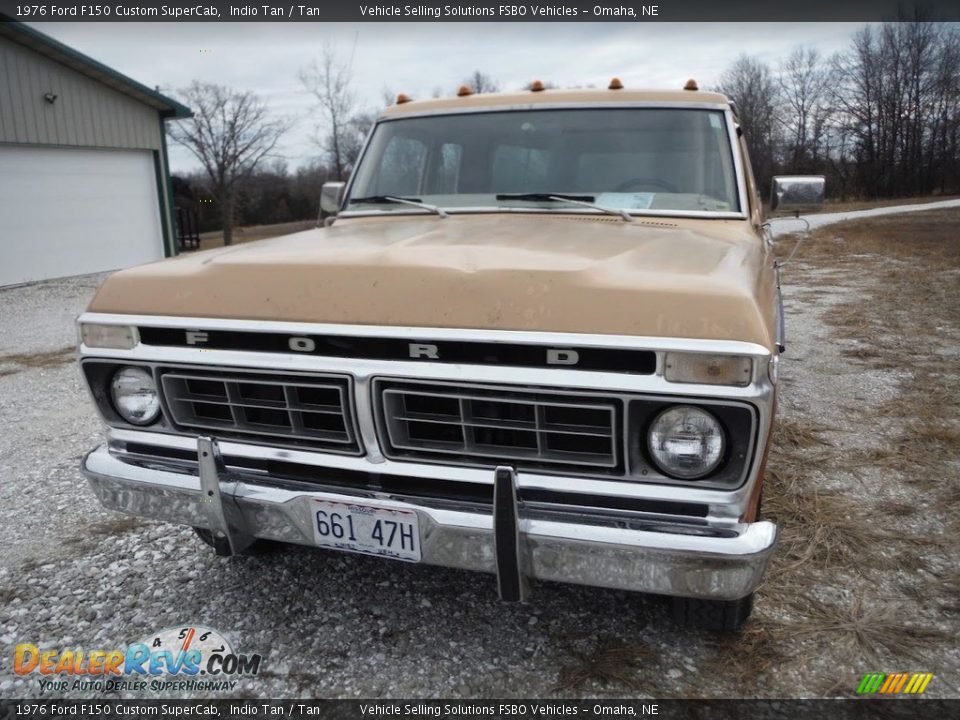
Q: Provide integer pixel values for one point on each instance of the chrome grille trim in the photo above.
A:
(467, 424)
(299, 410)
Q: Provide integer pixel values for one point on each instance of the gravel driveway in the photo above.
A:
(73, 575)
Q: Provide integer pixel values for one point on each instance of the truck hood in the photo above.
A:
(562, 273)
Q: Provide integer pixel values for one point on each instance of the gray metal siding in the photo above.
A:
(86, 113)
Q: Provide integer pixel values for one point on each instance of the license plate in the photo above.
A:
(367, 529)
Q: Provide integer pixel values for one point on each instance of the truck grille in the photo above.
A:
(293, 410)
(482, 425)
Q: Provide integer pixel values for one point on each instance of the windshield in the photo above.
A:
(634, 159)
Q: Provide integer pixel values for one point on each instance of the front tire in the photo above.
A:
(222, 547)
(219, 544)
(715, 615)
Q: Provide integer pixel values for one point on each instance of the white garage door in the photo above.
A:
(75, 211)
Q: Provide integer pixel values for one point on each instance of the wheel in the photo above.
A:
(222, 547)
(219, 544)
(717, 615)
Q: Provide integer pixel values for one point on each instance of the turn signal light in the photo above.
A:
(707, 369)
(116, 337)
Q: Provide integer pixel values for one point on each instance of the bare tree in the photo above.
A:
(329, 79)
(805, 89)
(899, 93)
(749, 83)
(945, 141)
(881, 119)
(481, 82)
(230, 132)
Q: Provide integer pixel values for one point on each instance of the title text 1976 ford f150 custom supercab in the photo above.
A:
(540, 339)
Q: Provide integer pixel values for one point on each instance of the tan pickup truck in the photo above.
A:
(539, 339)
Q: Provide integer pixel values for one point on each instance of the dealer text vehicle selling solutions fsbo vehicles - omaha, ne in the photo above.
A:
(539, 339)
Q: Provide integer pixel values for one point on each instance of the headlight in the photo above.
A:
(686, 442)
(135, 395)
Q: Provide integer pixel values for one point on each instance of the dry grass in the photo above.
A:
(862, 353)
(114, 527)
(948, 593)
(606, 665)
(914, 306)
(823, 529)
(754, 651)
(13, 363)
(851, 318)
(950, 494)
(924, 403)
(798, 434)
(917, 239)
(898, 322)
(866, 203)
(872, 631)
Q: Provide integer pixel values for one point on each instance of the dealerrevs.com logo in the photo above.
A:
(898, 683)
(176, 659)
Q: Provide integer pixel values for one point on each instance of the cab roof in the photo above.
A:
(527, 98)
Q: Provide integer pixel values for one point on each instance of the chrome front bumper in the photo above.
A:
(238, 507)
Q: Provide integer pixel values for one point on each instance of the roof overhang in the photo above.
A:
(45, 45)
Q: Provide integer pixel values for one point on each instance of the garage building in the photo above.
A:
(84, 181)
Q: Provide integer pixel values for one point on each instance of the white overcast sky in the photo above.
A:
(417, 57)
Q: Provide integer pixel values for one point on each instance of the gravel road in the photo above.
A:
(782, 226)
(73, 575)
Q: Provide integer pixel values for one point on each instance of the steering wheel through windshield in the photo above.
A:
(638, 184)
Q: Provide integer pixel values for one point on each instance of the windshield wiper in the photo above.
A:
(585, 200)
(415, 202)
(545, 196)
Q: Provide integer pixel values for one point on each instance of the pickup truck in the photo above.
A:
(538, 336)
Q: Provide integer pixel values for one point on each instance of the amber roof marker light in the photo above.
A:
(537, 86)
(464, 90)
(691, 85)
(615, 84)
(403, 98)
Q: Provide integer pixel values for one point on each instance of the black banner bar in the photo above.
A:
(212, 11)
(510, 709)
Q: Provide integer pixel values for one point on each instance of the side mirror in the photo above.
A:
(331, 197)
(796, 193)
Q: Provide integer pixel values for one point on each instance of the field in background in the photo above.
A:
(848, 205)
(214, 239)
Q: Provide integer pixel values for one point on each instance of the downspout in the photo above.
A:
(165, 188)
